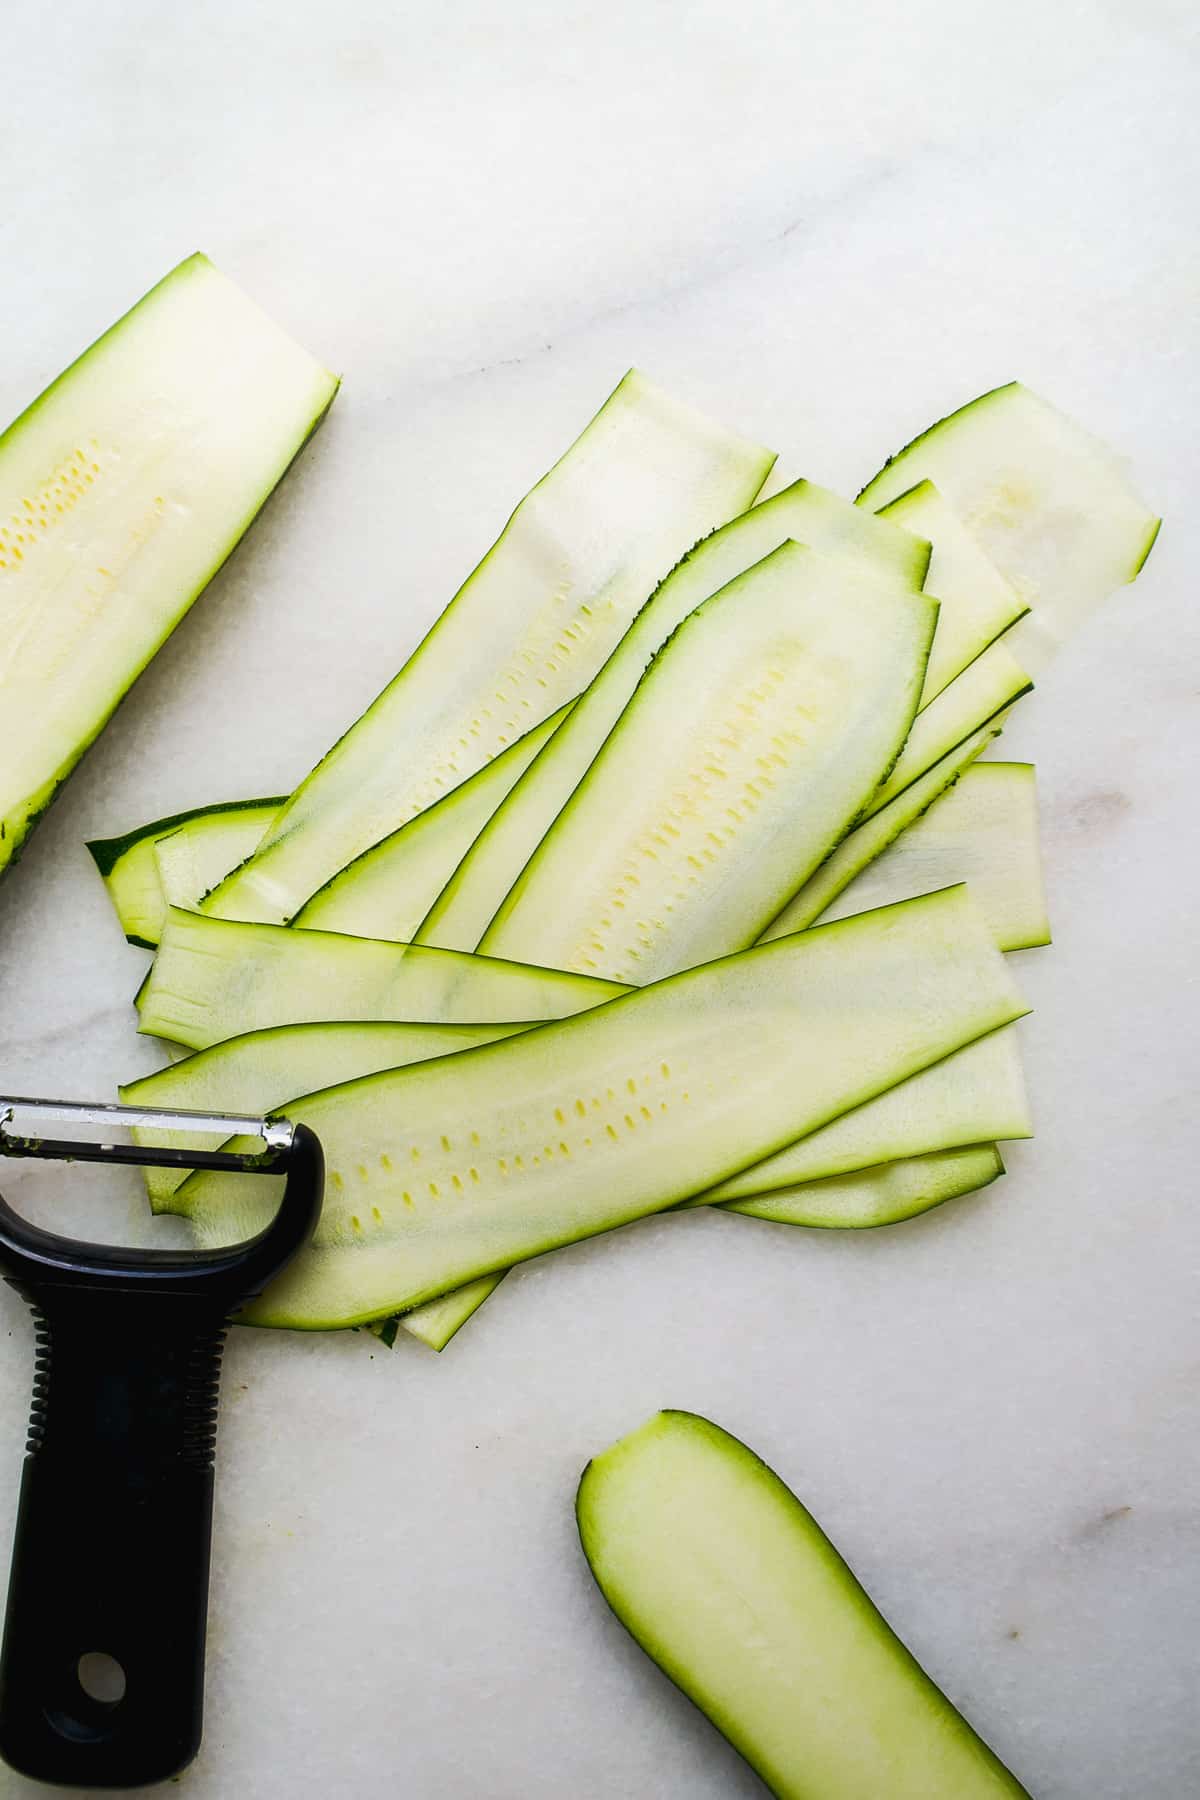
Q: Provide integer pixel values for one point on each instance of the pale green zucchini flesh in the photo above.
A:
(979, 696)
(263, 1069)
(884, 1195)
(976, 604)
(984, 831)
(1050, 506)
(525, 634)
(859, 848)
(388, 890)
(219, 978)
(448, 1170)
(976, 1094)
(123, 489)
(749, 746)
(205, 843)
(804, 512)
(724, 1579)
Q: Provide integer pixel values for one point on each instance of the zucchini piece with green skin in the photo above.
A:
(884, 1195)
(716, 1569)
(218, 978)
(123, 489)
(751, 743)
(198, 855)
(262, 1069)
(1051, 507)
(977, 1093)
(437, 1321)
(859, 848)
(388, 890)
(984, 831)
(525, 634)
(128, 865)
(448, 1170)
(804, 512)
(977, 604)
(979, 696)
(977, 1090)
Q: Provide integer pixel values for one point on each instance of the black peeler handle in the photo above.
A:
(111, 1552)
(112, 1541)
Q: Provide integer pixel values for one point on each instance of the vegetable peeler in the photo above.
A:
(111, 1550)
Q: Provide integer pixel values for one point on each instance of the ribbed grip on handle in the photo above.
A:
(111, 1554)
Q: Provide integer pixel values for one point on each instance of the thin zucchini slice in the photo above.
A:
(977, 604)
(859, 848)
(977, 1093)
(263, 1069)
(525, 634)
(436, 1322)
(448, 1170)
(977, 1090)
(724, 1579)
(984, 831)
(750, 745)
(884, 1195)
(198, 855)
(388, 890)
(123, 489)
(129, 864)
(981, 694)
(385, 892)
(805, 512)
(219, 978)
(1051, 507)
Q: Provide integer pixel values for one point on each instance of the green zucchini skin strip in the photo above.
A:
(887, 1194)
(262, 1069)
(727, 1581)
(524, 634)
(128, 868)
(388, 890)
(804, 512)
(859, 848)
(1051, 507)
(218, 978)
(977, 1093)
(977, 604)
(984, 691)
(160, 444)
(984, 831)
(751, 743)
(457, 1168)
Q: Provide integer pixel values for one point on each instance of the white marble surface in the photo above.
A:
(828, 223)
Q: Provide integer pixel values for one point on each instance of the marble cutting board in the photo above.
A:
(828, 225)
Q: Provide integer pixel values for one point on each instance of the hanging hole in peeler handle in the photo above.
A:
(102, 1666)
(101, 1677)
(92, 1693)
